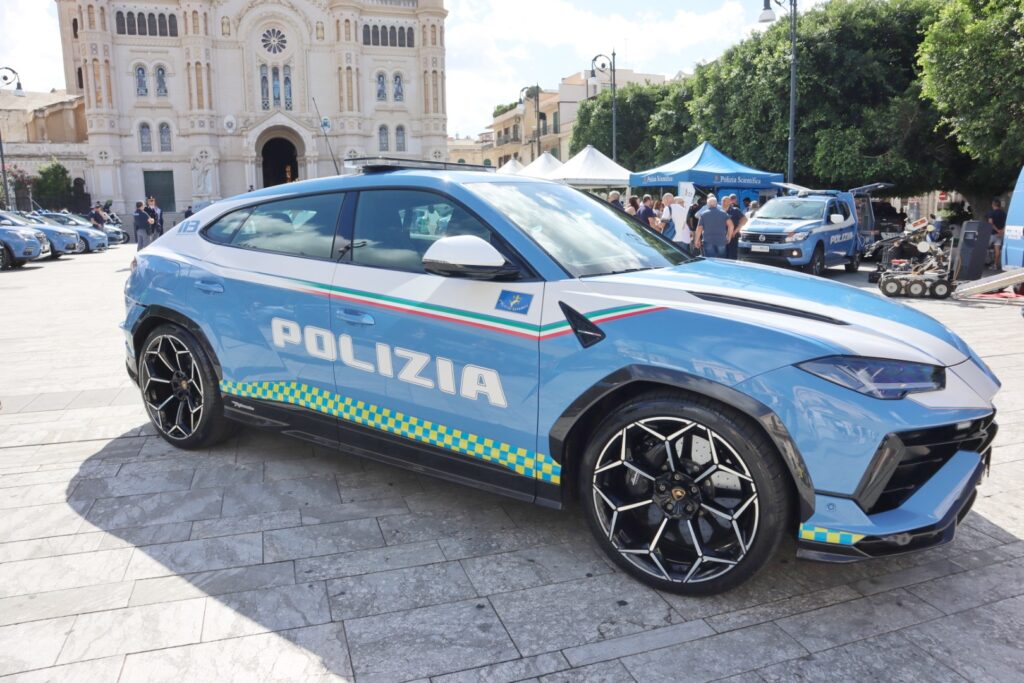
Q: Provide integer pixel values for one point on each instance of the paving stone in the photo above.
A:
(280, 495)
(586, 611)
(316, 653)
(890, 657)
(32, 645)
(50, 401)
(972, 588)
(481, 542)
(65, 571)
(391, 591)
(93, 671)
(62, 603)
(779, 609)
(906, 577)
(269, 609)
(196, 556)
(716, 657)
(39, 521)
(357, 510)
(605, 672)
(93, 398)
(160, 508)
(63, 475)
(130, 484)
(430, 525)
(299, 469)
(11, 404)
(228, 475)
(366, 561)
(982, 558)
(33, 494)
(534, 567)
(146, 535)
(48, 547)
(507, 672)
(775, 582)
(857, 619)
(229, 526)
(638, 642)
(133, 629)
(217, 582)
(321, 539)
(981, 644)
(427, 641)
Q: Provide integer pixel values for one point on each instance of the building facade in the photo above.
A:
(194, 100)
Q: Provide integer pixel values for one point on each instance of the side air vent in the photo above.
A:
(586, 332)
(762, 306)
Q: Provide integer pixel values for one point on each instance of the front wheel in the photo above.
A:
(816, 266)
(180, 389)
(854, 265)
(5, 258)
(83, 246)
(684, 494)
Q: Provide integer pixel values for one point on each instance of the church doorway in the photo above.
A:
(280, 162)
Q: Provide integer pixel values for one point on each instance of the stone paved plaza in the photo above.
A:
(122, 559)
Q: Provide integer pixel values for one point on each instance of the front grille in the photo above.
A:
(755, 237)
(907, 460)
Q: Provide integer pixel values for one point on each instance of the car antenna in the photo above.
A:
(337, 171)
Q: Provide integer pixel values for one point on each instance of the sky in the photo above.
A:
(494, 47)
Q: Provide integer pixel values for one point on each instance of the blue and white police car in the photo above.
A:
(20, 243)
(544, 346)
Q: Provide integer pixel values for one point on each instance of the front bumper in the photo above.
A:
(777, 254)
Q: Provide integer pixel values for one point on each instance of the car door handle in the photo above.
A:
(353, 316)
(209, 287)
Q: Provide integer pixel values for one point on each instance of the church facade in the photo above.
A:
(194, 100)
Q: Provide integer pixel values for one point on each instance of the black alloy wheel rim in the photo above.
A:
(818, 263)
(675, 499)
(172, 387)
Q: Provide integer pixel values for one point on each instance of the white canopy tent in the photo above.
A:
(590, 168)
(511, 167)
(542, 167)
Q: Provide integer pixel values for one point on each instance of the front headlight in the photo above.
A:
(26, 234)
(877, 377)
(797, 236)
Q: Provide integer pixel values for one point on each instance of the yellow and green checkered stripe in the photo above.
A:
(520, 460)
(809, 532)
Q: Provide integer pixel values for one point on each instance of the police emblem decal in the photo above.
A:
(514, 302)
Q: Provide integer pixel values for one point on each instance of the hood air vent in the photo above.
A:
(762, 306)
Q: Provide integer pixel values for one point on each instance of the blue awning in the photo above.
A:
(707, 167)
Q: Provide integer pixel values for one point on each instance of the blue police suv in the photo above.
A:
(525, 338)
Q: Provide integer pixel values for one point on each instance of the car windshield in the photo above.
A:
(9, 220)
(583, 234)
(792, 209)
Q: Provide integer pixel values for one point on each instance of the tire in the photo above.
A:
(940, 289)
(854, 265)
(5, 258)
(685, 508)
(17, 264)
(54, 254)
(180, 389)
(917, 288)
(890, 286)
(817, 266)
(83, 246)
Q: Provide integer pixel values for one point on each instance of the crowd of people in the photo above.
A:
(704, 228)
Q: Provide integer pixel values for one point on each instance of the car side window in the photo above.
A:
(845, 210)
(225, 228)
(301, 226)
(394, 228)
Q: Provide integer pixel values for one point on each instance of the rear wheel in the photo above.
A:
(816, 266)
(941, 289)
(890, 286)
(18, 264)
(5, 258)
(683, 493)
(917, 288)
(83, 246)
(854, 265)
(180, 389)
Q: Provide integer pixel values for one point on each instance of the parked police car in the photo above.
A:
(543, 345)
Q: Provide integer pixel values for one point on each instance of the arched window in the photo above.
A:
(165, 137)
(376, 35)
(400, 139)
(106, 81)
(426, 94)
(98, 101)
(384, 36)
(442, 36)
(172, 25)
(392, 36)
(319, 30)
(433, 35)
(382, 86)
(141, 88)
(462, 161)
(349, 103)
(401, 36)
(74, 28)
(161, 82)
(81, 79)
(91, 13)
(487, 162)
(348, 30)
(276, 85)
(225, 26)
(131, 24)
(119, 23)
(264, 87)
(199, 86)
(366, 34)
(161, 23)
(206, 24)
(145, 138)
(142, 23)
(382, 138)
(288, 88)
(195, 23)
(151, 24)
(103, 19)
(435, 105)
(398, 88)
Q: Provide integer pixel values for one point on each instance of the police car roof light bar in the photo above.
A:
(389, 164)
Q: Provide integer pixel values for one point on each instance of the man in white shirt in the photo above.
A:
(675, 211)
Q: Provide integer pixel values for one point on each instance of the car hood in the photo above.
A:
(54, 230)
(771, 226)
(90, 232)
(838, 318)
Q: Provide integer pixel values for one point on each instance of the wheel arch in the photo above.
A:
(156, 315)
(567, 437)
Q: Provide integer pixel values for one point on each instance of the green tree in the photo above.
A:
(671, 127)
(636, 105)
(972, 62)
(53, 186)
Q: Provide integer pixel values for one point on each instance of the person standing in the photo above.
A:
(691, 214)
(140, 221)
(188, 212)
(633, 207)
(96, 217)
(615, 199)
(738, 221)
(997, 218)
(646, 214)
(157, 214)
(714, 230)
(675, 215)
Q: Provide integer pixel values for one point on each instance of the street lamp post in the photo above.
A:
(8, 75)
(523, 94)
(606, 65)
(768, 16)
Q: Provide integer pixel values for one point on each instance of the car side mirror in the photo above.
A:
(836, 218)
(467, 256)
